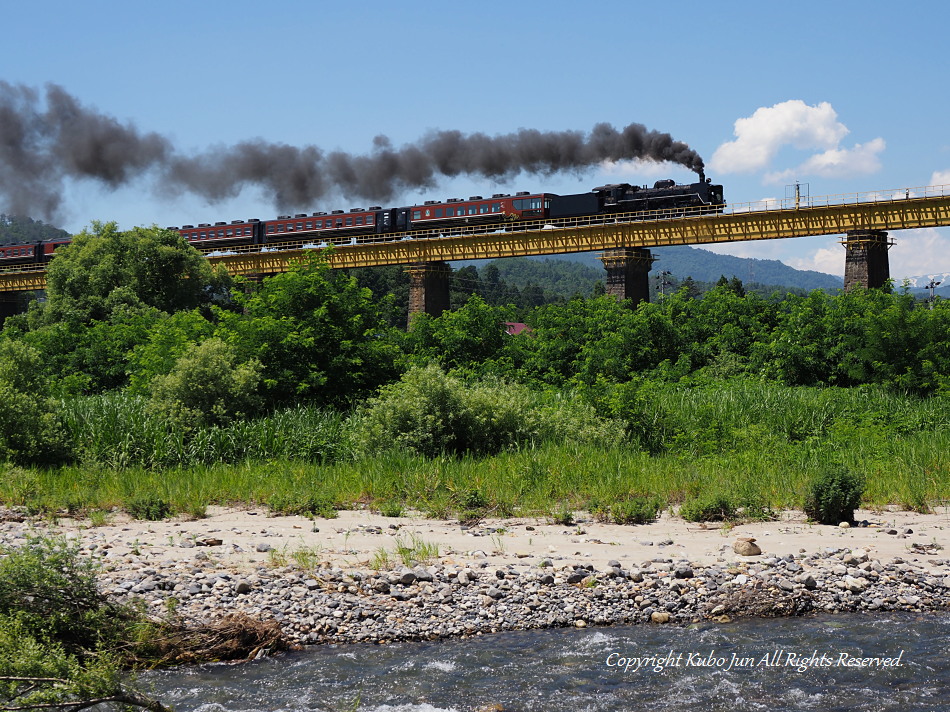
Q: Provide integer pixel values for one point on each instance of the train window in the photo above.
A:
(229, 232)
(483, 209)
(310, 225)
(438, 212)
(450, 212)
(339, 222)
(349, 222)
(271, 229)
(300, 226)
(280, 228)
(204, 235)
(528, 204)
(369, 219)
(416, 214)
(220, 233)
(247, 231)
(496, 207)
(471, 209)
(359, 220)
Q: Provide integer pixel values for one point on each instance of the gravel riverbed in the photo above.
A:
(473, 592)
(436, 601)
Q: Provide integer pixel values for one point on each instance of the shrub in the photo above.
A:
(638, 510)
(834, 495)
(391, 509)
(29, 429)
(430, 412)
(207, 387)
(709, 508)
(563, 515)
(58, 634)
(303, 504)
(51, 590)
(149, 507)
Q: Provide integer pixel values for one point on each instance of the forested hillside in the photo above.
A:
(18, 230)
(705, 266)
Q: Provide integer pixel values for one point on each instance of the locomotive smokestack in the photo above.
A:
(41, 147)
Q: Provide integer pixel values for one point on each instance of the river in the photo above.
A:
(843, 662)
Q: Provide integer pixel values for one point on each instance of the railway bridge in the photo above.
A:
(864, 220)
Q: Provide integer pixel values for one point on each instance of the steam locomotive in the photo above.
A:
(615, 201)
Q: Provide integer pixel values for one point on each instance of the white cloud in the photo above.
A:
(760, 137)
(940, 178)
(915, 253)
(836, 163)
(825, 259)
(919, 252)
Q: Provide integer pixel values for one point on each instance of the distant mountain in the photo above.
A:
(918, 285)
(705, 266)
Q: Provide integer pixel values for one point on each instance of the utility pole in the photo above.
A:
(932, 286)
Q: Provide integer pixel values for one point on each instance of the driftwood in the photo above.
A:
(234, 637)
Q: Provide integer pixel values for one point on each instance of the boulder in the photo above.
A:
(746, 546)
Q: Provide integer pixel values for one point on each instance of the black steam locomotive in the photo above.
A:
(620, 201)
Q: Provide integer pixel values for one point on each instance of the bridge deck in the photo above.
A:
(826, 215)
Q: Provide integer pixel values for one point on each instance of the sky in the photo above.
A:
(842, 97)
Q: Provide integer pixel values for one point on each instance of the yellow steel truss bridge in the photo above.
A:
(886, 210)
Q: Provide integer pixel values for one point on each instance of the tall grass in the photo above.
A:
(117, 430)
(757, 443)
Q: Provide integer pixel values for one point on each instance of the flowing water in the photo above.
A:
(784, 664)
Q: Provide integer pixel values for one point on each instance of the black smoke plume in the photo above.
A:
(43, 145)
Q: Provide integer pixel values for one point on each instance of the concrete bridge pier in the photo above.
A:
(628, 271)
(428, 288)
(865, 262)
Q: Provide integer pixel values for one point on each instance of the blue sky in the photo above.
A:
(843, 96)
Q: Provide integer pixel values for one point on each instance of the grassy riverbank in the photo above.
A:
(757, 445)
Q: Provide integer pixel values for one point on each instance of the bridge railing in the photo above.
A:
(840, 199)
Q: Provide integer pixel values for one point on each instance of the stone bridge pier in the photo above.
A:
(428, 288)
(865, 262)
(628, 270)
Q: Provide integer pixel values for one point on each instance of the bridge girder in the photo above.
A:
(558, 237)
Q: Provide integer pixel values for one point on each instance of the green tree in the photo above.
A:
(29, 429)
(390, 287)
(467, 338)
(319, 335)
(167, 341)
(207, 386)
(105, 291)
(103, 268)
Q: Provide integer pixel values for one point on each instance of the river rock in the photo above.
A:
(746, 546)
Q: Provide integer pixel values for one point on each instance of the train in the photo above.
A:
(610, 202)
